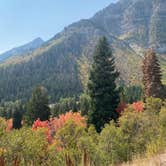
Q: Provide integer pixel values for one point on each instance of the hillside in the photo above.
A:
(140, 23)
(25, 49)
(131, 26)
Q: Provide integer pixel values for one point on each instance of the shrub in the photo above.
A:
(24, 147)
(113, 145)
(153, 105)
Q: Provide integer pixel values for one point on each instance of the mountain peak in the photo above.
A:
(24, 49)
(136, 22)
(38, 39)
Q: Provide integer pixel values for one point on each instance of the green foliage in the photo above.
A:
(102, 87)
(37, 106)
(162, 117)
(162, 121)
(153, 105)
(136, 134)
(134, 127)
(85, 104)
(113, 144)
(64, 105)
(84, 67)
(131, 94)
(79, 146)
(2, 112)
(17, 116)
(158, 145)
(24, 147)
(2, 126)
(8, 108)
(56, 70)
(67, 138)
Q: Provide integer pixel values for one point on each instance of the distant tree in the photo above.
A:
(7, 109)
(102, 87)
(37, 106)
(85, 104)
(2, 112)
(152, 75)
(17, 116)
(65, 105)
(131, 94)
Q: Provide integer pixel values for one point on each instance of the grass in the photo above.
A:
(158, 160)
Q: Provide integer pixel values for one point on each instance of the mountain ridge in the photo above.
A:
(24, 49)
(57, 64)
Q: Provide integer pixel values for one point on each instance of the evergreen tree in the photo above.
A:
(102, 87)
(17, 115)
(37, 106)
(152, 75)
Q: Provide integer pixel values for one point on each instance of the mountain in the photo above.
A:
(25, 49)
(140, 23)
(62, 63)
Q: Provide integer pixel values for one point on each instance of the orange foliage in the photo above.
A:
(138, 106)
(9, 125)
(39, 124)
(43, 124)
(58, 123)
(54, 124)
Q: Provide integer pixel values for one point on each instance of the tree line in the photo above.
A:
(100, 100)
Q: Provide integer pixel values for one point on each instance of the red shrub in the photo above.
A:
(39, 124)
(54, 124)
(138, 106)
(121, 107)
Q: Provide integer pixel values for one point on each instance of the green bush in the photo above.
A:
(112, 144)
(24, 146)
(153, 105)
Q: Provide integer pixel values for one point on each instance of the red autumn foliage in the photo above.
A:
(54, 124)
(138, 106)
(43, 124)
(39, 124)
(121, 107)
(58, 123)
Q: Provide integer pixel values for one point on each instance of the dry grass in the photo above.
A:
(159, 160)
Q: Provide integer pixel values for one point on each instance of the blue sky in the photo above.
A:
(23, 20)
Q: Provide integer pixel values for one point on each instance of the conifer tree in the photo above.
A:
(102, 87)
(17, 115)
(152, 75)
(37, 106)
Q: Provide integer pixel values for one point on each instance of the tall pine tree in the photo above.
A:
(102, 87)
(37, 106)
(152, 75)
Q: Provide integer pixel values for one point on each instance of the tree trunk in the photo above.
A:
(2, 162)
(85, 159)
(16, 162)
(68, 161)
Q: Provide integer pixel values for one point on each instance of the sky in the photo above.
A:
(21, 21)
